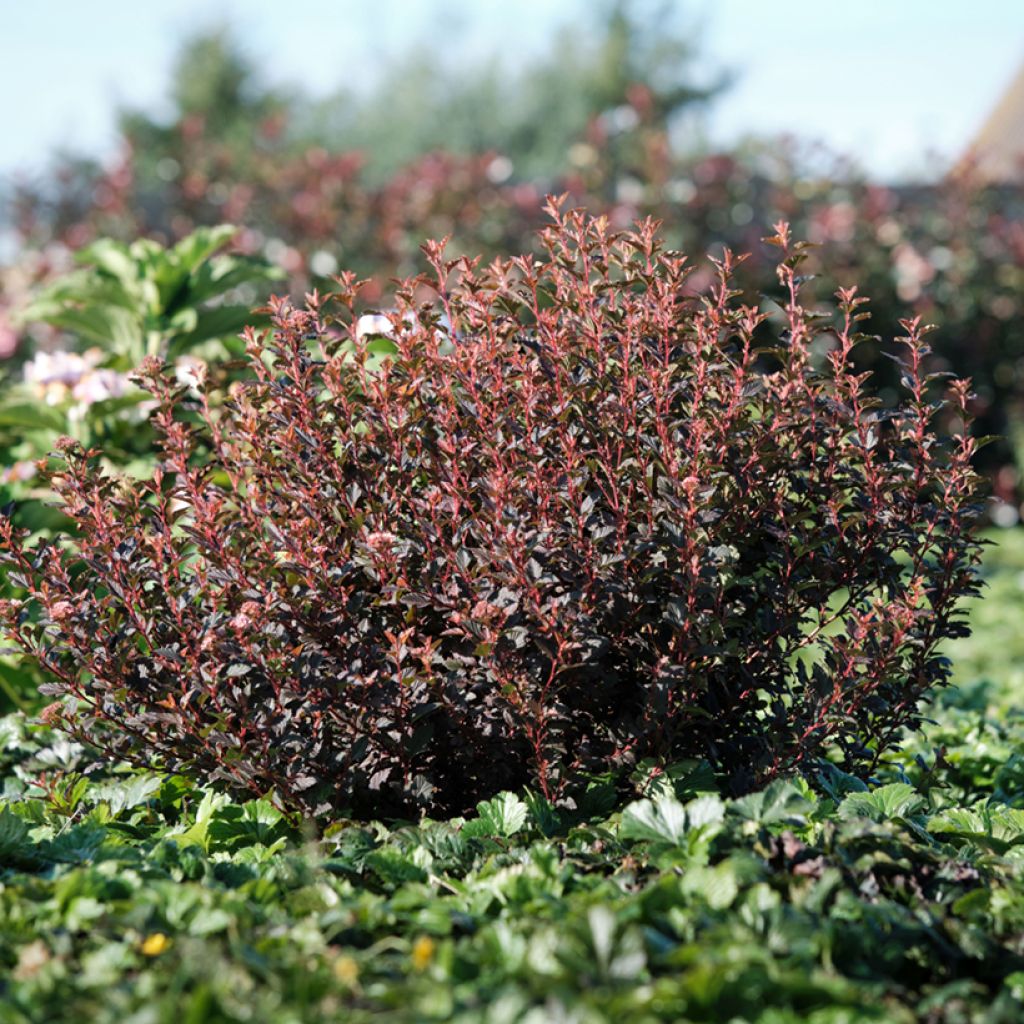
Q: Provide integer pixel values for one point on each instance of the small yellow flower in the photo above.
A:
(422, 952)
(346, 970)
(155, 944)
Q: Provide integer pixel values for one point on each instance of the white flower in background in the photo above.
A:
(287, 257)
(581, 154)
(1004, 514)
(52, 375)
(372, 324)
(57, 376)
(911, 271)
(98, 386)
(681, 190)
(620, 119)
(190, 371)
(630, 190)
(46, 368)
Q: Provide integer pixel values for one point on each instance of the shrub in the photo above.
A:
(570, 515)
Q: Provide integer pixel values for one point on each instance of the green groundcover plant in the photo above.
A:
(128, 897)
(570, 514)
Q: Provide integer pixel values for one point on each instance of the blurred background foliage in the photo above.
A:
(610, 113)
(530, 111)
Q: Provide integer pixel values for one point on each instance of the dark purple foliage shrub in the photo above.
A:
(586, 517)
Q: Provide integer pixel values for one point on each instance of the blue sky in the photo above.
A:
(900, 84)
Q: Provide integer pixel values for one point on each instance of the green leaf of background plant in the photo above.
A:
(111, 327)
(214, 323)
(32, 416)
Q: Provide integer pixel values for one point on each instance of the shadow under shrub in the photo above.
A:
(584, 517)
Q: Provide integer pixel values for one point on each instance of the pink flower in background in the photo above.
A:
(19, 472)
(8, 338)
(911, 271)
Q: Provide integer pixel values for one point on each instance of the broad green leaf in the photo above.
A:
(780, 802)
(16, 849)
(209, 921)
(113, 328)
(123, 795)
(112, 257)
(381, 346)
(598, 799)
(183, 321)
(255, 822)
(198, 832)
(546, 819)
(717, 886)
(501, 817)
(837, 783)
(705, 810)
(896, 800)
(213, 323)
(618, 952)
(82, 287)
(690, 778)
(395, 867)
(990, 826)
(77, 845)
(662, 820)
(34, 416)
(223, 273)
(191, 251)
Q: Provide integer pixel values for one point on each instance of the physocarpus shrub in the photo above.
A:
(570, 517)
